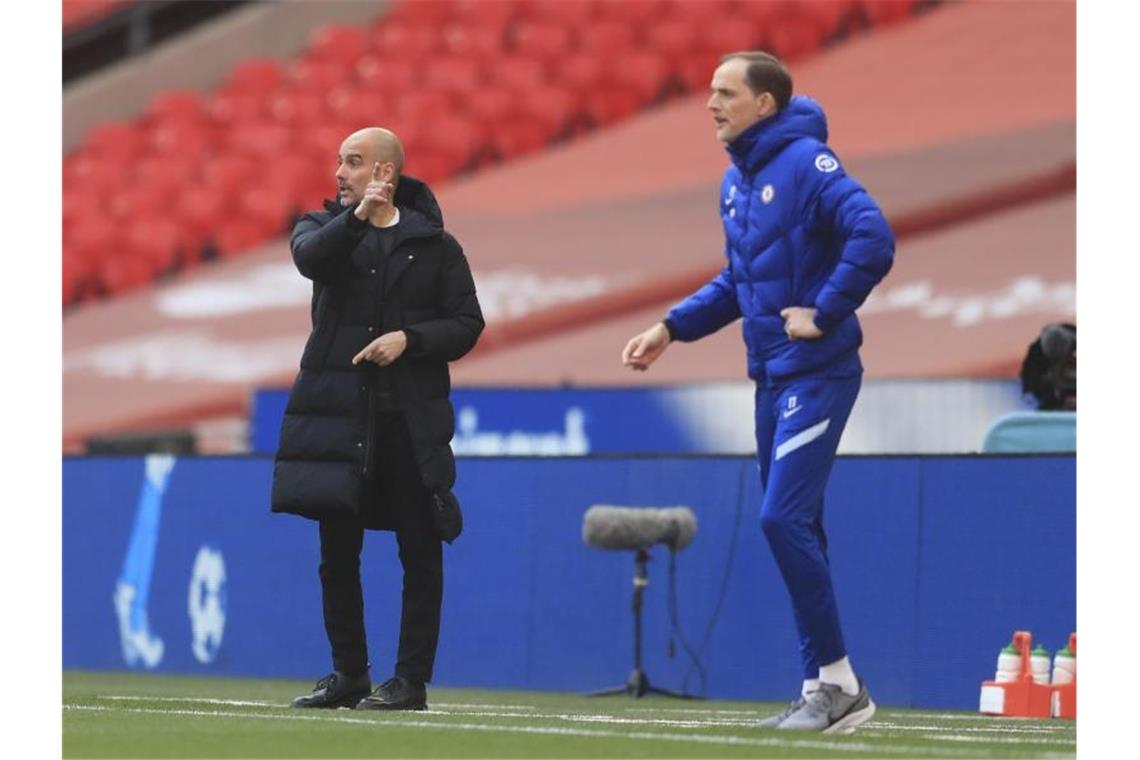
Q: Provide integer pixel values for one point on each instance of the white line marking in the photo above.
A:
(195, 700)
(397, 721)
(459, 705)
(999, 740)
(971, 729)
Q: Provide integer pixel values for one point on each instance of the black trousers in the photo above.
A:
(400, 492)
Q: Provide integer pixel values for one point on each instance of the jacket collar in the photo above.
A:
(759, 144)
(420, 216)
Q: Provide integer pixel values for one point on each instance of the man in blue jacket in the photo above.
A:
(805, 244)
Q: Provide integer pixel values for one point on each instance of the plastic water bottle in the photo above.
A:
(1064, 666)
(1008, 665)
(1039, 662)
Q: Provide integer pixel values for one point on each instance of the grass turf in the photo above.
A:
(138, 715)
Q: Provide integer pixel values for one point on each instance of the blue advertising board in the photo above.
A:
(176, 565)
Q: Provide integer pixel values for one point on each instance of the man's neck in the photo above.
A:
(383, 216)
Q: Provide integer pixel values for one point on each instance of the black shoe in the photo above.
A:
(397, 693)
(336, 690)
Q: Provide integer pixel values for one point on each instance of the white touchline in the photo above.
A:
(192, 700)
(971, 729)
(457, 705)
(394, 721)
(999, 740)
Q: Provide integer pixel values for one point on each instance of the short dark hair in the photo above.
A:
(765, 73)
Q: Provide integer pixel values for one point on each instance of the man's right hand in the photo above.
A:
(642, 350)
(377, 194)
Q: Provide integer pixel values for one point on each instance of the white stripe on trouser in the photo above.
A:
(802, 438)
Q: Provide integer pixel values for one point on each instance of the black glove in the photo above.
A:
(446, 515)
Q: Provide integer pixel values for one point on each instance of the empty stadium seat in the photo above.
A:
(177, 106)
(541, 39)
(338, 43)
(257, 76)
(1025, 432)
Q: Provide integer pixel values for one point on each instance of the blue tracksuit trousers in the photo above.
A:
(798, 426)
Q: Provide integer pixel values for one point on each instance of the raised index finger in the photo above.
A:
(375, 171)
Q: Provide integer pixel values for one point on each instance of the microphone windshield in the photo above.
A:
(607, 527)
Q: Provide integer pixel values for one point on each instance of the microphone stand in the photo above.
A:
(637, 685)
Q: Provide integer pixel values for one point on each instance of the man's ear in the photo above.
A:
(765, 104)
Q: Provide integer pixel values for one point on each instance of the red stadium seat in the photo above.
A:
(260, 138)
(882, 12)
(228, 107)
(517, 73)
(94, 237)
(164, 174)
(258, 76)
(492, 15)
(646, 74)
(396, 39)
(553, 109)
(299, 107)
(182, 139)
(89, 174)
(177, 106)
(696, 70)
(452, 74)
(157, 241)
(639, 13)
(672, 36)
(238, 233)
(428, 15)
(490, 106)
(794, 35)
(318, 74)
(117, 142)
(123, 273)
(606, 37)
(517, 138)
(604, 106)
(379, 75)
(478, 42)
(575, 13)
(721, 36)
(271, 208)
(230, 174)
(582, 72)
(199, 210)
(338, 43)
(541, 39)
(458, 142)
(359, 107)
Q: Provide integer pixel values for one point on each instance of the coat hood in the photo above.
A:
(755, 146)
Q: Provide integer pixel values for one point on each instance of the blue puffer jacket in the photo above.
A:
(798, 232)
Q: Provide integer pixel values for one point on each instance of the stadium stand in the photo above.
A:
(985, 195)
(485, 70)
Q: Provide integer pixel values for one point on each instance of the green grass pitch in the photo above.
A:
(134, 715)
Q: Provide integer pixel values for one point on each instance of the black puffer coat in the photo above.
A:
(325, 459)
